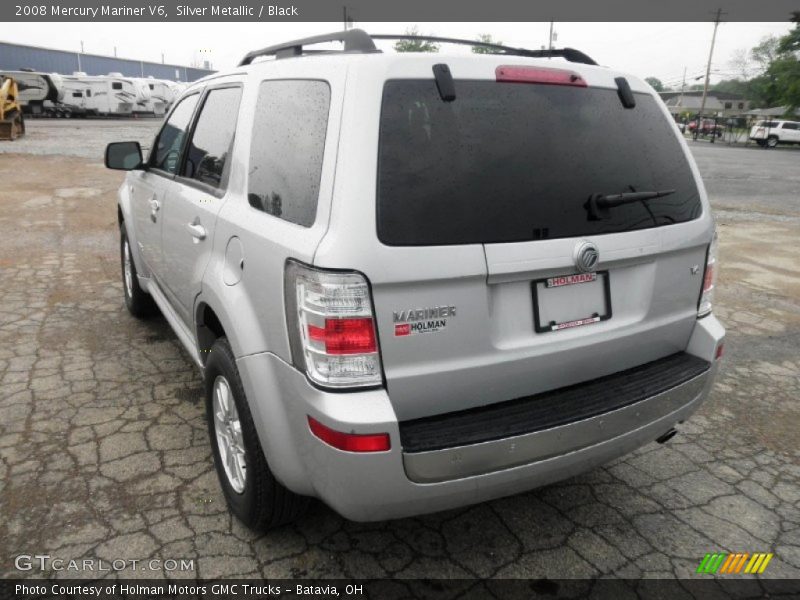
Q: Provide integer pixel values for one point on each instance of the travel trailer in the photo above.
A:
(143, 103)
(105, 94)
(35, 89)
(162, 94)
(75, 98)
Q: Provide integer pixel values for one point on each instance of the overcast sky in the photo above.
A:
(646, 49)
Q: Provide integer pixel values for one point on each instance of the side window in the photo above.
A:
(88, 93)
(116, 85)
(212, 140)
(288, 143)
(168, 144)
(791, 126)
(77, 94)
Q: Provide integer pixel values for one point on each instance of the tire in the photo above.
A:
(772, 141)
(762, 143)
(139, 303)
(253, 494)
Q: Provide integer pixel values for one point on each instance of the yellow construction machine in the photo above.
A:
(12, 124)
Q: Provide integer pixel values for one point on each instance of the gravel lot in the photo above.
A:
(104, 451)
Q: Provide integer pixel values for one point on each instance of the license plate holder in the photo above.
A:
(569, 301)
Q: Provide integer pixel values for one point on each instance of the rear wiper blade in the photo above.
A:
(598, 204)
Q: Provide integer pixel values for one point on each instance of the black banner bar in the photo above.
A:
(394, 10)
(398, 589)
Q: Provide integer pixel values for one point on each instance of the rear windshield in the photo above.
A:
(510, 162)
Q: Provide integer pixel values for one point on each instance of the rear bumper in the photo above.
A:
(393, 484)
(543, 443)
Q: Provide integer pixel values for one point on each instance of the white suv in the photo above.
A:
(419, 281)
(772, 133)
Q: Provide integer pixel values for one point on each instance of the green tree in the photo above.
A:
(765, 52)
(486, 38)
(415, 45)
(790, 43)
(785, 81)
(655, 83)
(780, 83)
(733, 86)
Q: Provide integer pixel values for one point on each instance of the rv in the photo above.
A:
(35, 89)
(75, 96)
(162, 94)
(106, 94)
(143, 104)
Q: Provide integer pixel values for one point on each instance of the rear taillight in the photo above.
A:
(332, 327)
(709, 280)
(545, 75)
(345, 336)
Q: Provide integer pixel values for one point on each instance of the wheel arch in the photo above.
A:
(209, 328)
(241, 319)
(212, 321)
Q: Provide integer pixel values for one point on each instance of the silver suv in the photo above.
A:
(416, 281)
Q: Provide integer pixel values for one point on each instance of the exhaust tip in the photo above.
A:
(667, 436)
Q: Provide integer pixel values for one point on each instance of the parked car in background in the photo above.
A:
(772, 133)
(707, 127)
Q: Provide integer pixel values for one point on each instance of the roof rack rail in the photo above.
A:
(359, 41)
(569, 54)
(355, 40)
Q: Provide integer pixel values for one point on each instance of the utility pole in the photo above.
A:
(345, 19)
(550, 42)
(683, 87)
(708, 70)
(680, 97)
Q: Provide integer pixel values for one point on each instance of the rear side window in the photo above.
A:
(511, 162)
(167, 148)
(288, 143)
(208, 152)
(116, 85)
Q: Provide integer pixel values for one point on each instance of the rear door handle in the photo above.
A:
(198, 231)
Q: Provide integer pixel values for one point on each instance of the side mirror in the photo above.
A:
(125, 156)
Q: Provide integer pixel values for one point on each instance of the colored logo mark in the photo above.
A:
(723, 563)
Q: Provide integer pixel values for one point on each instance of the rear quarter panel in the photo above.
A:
(252, 309)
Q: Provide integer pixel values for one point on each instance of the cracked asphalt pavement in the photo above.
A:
(104, 451)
